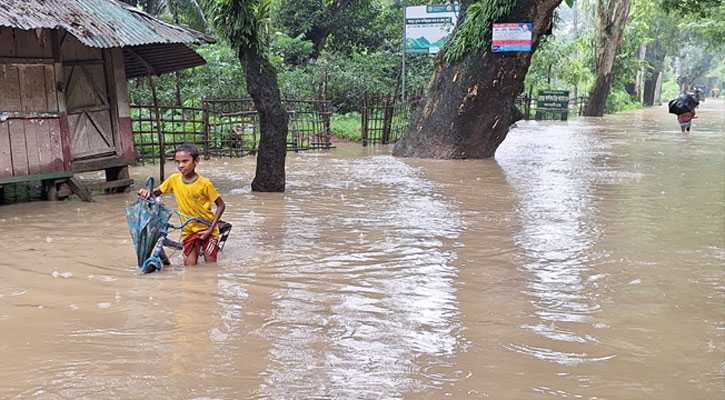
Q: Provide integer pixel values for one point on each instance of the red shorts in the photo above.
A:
(209, 247)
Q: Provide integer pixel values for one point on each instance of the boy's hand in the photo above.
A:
(204, 234)
(145, 193)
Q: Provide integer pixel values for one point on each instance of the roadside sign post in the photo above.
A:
(552, 104)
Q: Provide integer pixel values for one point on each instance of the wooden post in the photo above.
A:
(387, 118)
(162, 149)
(364, 122)
(205, 117)
(61, 91)
(325, 113)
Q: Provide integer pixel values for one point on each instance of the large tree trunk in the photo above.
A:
(470, 104)
(611, 19)
(262, 86)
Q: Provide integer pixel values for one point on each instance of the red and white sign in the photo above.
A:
(512, 37)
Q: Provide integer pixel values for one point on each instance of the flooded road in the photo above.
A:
(587, 261)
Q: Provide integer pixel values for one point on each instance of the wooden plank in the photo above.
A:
(98, 164)
(41, 177)
(32, 115)
(72, 49)
(6, 162)
(96, 76)
(65, 141)
(10, 88)
(25, 60)
(99, 186)
(18, 148)
(7, 42)
(56, 148)
(51, 91)
(120, 82)
(33, 43)
(112, 100)
(31, 145)
(42, 140)
(90, 109)
(79, 189)
(83, 62)
(102, 123)
(80, 91)
(32, 89)
(78, 143)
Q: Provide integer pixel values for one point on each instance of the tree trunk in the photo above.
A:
(641, 73)
(318, 36)
(177, 88)
(262, 86)
(611, 19)
(470, 105)
(656, 54)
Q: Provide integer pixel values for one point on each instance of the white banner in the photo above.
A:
(427, 28)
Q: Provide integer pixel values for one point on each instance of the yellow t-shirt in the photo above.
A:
(193, 199)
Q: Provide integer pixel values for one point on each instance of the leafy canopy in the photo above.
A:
(244, 23)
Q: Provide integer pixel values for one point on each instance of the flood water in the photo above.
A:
(587, 261)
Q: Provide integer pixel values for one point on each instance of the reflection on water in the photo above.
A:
(586, 261)
(559, 228)
(358, 322)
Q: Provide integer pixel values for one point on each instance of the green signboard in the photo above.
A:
(552, 104)
(553, 100)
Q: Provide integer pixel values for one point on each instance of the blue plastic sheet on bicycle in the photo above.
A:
(147, 221)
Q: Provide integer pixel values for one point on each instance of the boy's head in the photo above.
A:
(186, 157)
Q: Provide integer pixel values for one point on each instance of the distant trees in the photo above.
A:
(611, 17)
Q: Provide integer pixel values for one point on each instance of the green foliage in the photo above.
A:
(691, 7)
(222, 77)
(351, 77)
(670, 89)
(474, 33)
(244, 23)
(562, 63)
(346, 126)
(290, 50)
(708, 27)
(350, 25)
(619, 100)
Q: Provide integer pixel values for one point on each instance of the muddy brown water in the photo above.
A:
(585, 262)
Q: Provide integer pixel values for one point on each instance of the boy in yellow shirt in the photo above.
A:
(194, 196)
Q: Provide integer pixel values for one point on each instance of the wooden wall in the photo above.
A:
(30, 140)
(67, 102)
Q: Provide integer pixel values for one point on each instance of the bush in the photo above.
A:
(346, 126)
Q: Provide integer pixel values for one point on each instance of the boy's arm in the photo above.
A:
(220, 206)
(164, 187)
(143, 192)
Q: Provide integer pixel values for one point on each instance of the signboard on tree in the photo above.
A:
(427, 28)
(512, 37)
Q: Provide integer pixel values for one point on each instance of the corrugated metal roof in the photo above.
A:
(157, 59)
(96, 23)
